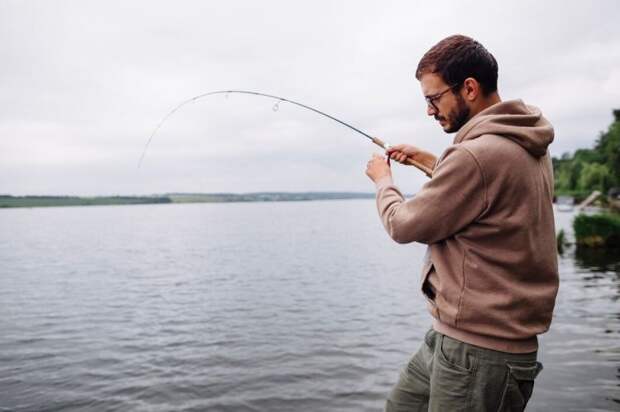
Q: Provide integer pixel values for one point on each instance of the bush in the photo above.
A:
(561, 241)
(597, 230)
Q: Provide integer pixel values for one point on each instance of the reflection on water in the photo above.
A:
(251, 307)
(581, 352)
(598, 259)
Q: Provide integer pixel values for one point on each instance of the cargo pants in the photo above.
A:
(449, 375)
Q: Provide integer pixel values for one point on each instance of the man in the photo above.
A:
(490, 273)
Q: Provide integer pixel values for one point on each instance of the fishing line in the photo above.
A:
(275, 108)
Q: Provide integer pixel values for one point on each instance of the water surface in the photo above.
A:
(250, 307)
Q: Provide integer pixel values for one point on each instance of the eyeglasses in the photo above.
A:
(430, 100)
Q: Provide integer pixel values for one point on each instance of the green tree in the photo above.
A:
(608, 145)
(591, 169)
(594, 176)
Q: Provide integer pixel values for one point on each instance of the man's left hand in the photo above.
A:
(378, 168)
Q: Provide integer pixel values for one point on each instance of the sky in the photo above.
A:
(84, 83)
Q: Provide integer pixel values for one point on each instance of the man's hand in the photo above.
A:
(378, 168)
(401, 152)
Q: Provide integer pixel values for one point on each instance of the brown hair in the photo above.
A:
(458, 57)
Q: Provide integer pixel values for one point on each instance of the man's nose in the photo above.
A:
(430, 110)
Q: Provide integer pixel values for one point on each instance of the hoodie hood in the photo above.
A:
(514, 120)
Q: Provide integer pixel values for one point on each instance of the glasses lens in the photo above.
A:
(430, 102)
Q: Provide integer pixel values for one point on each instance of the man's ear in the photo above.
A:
(471, 89)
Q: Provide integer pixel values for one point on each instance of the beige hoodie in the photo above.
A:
(490, 275)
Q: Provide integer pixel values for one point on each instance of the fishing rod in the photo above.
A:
(375, 140)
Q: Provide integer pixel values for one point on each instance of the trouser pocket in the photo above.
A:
(452, 378)
(519, 385)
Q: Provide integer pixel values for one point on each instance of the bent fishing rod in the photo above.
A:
(375, 140)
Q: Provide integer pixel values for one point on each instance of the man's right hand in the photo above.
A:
(403, 152)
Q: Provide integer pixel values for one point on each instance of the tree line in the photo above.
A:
(591, 169)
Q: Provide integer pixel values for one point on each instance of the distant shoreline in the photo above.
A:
(9, 201)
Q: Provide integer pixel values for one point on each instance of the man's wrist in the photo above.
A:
(383, 182)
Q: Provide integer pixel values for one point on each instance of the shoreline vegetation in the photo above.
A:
(8, 201)
(587, 170)
(593, 171)
(599, 230)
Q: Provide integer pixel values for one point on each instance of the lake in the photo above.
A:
(277, 306)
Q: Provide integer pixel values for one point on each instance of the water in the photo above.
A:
(250, 307)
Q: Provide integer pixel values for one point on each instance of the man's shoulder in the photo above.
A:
(457, 153)
(474, 151)
(493, 148)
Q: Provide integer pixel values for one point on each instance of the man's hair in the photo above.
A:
(458, 57)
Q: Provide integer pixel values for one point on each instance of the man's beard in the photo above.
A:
(457, 117)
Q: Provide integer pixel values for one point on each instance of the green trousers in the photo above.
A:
(449, 375)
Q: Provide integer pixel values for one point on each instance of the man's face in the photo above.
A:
(446, 106)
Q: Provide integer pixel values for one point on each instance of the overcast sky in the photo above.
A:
(84, 83)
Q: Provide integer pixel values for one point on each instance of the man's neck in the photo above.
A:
(483, 103)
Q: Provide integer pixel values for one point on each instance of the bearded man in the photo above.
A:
(490, 274)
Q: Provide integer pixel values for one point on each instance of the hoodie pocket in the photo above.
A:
(429, 293)
(427, 268)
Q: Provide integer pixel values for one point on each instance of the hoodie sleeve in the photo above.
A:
(453, 198)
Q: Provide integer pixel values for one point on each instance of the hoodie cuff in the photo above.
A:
(384, 182)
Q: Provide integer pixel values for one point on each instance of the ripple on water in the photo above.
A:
(212, 307)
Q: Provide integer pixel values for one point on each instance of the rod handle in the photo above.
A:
(409, 161)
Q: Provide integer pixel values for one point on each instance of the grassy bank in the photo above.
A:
(600, 230)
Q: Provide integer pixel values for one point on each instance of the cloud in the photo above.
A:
(84, 84)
